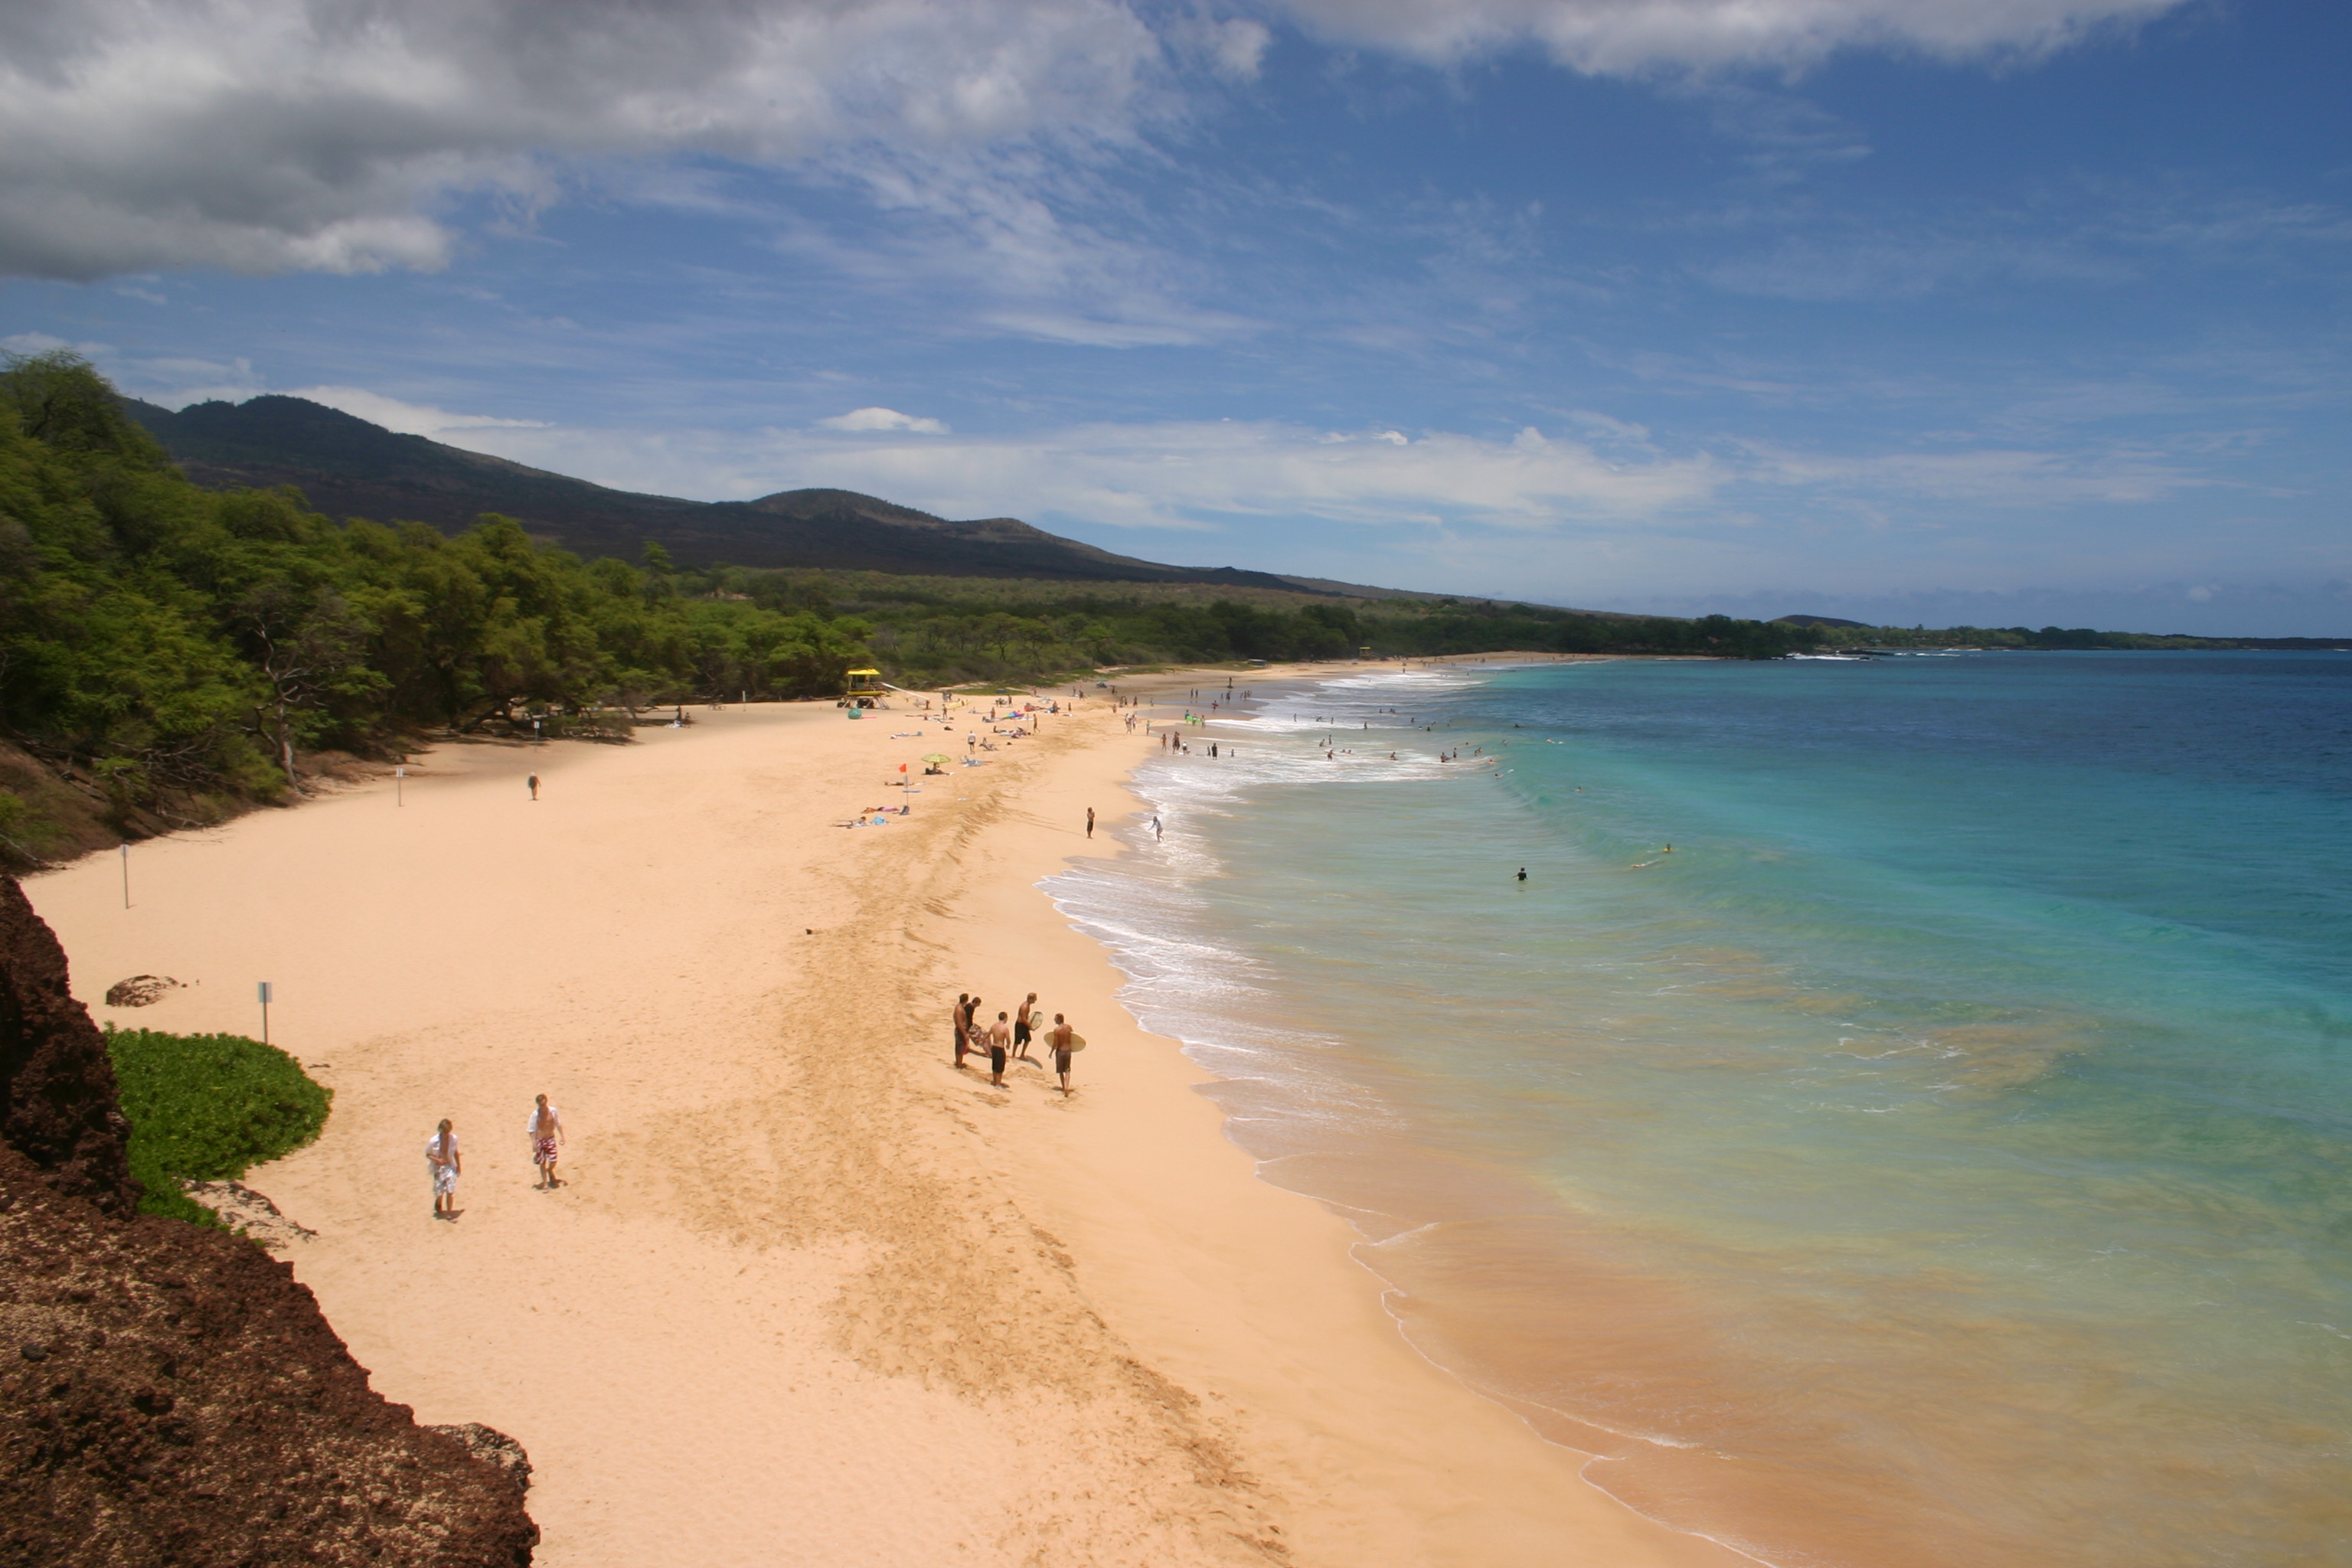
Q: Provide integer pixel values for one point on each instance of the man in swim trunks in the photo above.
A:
(546, 1130)
(1058, 1036)
(963, 1028)
(1000, 1041)
(1020, 1028)
(441, 1155)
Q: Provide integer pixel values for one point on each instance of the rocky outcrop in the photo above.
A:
(139, 991)
(57, 1088)
(493, 1446)
(170, 1395)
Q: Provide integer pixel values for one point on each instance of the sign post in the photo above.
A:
(399, 785)
(264, 1011)
(126, 876)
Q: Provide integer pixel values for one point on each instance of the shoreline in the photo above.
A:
(812, 1290)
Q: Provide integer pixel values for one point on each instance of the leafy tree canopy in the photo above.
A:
(171, 651)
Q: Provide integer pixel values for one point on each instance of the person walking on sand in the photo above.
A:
(1058, 1036)
(546, 1131)
(441, 1154)
(1000, 1041)
(1021, 1027)
(1090, 822)
(534, 786)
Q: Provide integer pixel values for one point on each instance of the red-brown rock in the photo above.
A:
(171, 1396)
(57, 1088)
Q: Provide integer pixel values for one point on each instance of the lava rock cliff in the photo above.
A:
(170, 1396)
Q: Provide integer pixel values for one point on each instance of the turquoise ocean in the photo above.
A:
(1941, 1155)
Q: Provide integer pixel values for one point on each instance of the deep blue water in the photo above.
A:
(1943, 1153)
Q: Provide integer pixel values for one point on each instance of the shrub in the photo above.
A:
(208, 1108)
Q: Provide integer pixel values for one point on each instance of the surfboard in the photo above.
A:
(1077, 1042)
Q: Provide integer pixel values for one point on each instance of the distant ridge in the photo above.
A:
(350, 468)
(1817, 621)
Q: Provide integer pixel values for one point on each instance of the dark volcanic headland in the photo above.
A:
(346, 467)
(170, 1397)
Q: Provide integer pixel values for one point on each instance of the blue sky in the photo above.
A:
(2022, 311)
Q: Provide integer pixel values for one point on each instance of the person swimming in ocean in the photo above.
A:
(1523, 873)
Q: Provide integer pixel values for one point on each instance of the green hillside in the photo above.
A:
(171, 653)
(346, 467)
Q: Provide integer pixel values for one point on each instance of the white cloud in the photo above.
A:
(408, 418)
(1235, 48)
(36, 344)
(267, 135)
(1628, 37)
(883, 419)
(1182, 475)
(2013, 478)
(339, 135)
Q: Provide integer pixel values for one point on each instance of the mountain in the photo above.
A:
(348, 468)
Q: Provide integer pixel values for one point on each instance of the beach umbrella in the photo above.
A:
(936, 758)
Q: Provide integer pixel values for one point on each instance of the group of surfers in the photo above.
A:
(1007, 1039)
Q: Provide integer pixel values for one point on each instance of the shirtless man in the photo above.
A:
(1058, 1036)
(1021, 1029)
(963, 1028)
(1000, 1041)
(441, 1157)
(546, 1130)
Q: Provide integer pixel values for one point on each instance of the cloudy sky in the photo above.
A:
(2002, 310)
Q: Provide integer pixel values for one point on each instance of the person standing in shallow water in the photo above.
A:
(1523, 873)
(441, 1154)
(1090, 822)
(546, 1130)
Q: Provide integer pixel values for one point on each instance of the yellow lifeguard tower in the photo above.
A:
(866, 689)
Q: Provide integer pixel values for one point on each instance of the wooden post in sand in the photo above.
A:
(126, 876)
(399, 785)
(264, 1011)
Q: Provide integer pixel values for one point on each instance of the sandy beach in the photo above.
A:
(810, 1294)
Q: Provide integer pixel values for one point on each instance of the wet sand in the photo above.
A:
(810, 1294)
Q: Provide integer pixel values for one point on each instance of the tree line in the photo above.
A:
(173, 653)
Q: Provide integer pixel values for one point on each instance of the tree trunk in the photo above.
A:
(286, 750)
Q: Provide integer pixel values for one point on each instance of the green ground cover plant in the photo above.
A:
(208, 1108)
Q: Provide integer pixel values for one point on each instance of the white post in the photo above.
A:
(264, 1011)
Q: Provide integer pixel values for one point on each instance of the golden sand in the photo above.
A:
(811, 1295)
